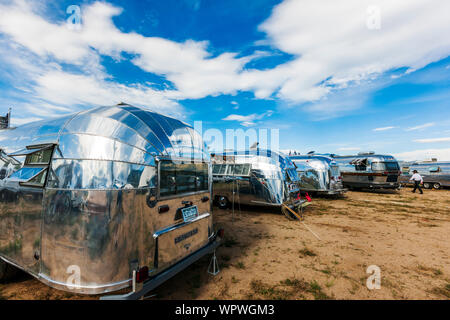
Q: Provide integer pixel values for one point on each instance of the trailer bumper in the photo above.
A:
(157, 280)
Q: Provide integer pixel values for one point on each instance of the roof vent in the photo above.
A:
(366, 153)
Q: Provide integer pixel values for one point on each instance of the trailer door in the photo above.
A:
(21, 206)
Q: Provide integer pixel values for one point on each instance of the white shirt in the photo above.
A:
(416, 177)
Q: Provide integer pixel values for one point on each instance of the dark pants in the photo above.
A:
(417, 186)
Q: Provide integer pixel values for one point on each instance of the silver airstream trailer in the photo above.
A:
(255, 177)
(318, 174)
(435, 174)
(369, 170)
(104, 199)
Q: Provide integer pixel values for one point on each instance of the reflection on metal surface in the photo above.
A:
(96, 207)
(255, 177)
(319, 174)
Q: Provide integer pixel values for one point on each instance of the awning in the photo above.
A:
(359, 161)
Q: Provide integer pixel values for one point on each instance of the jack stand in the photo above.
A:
(213, 265)
(135, 287)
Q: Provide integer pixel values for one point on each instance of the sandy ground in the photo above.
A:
(266, 256)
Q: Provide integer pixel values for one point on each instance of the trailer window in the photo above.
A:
(392, 166)
(26, 173)
(219, 168)
(38, 180)
(35, 168)
(2, 174)
(41, 157)
(360, 164)
(382, 166)
(435, 169)
(239, 169)
(182, 178)
(230, 169)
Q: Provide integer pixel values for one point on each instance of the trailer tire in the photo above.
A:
(7, 271)
(437, 185)
(222, 202)
(427, 185)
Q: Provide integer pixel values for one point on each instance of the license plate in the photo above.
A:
(189, 213)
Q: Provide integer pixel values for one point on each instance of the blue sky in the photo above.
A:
(338, 77)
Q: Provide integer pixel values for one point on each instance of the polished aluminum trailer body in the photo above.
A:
(256, 177)
(99, 194)
(371, 171)
(435, 174)
(319, 174)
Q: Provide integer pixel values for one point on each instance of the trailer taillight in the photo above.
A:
(142, 275)
(221, 233)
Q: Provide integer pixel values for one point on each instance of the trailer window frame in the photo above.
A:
(44, 154)
(200, 179)
(230, 169)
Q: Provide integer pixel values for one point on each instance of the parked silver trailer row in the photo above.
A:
(120, 196)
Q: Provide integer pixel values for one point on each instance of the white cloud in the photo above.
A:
(440, 154)
(420, 127)
(383, 129)
(432, 140)
(334, 47)
(330, 42)
(349, 149)
(249, 120)
(71, 89)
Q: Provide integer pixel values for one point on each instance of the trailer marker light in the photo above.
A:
(142, 274)
(163, 208)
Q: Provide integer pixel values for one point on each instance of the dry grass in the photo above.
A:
(266, 256)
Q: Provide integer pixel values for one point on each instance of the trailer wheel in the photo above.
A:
(427, 185)
(222, 202)
(437, 186)
(7, 271)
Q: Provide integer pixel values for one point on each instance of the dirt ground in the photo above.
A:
(266, 256)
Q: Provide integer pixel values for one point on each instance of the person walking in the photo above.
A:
(417, 178)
